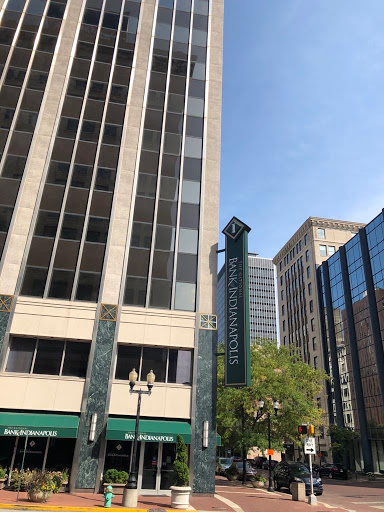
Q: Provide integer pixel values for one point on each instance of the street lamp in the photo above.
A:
(130, 490)
(276, 407)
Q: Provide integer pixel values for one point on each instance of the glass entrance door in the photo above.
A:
(156, 468)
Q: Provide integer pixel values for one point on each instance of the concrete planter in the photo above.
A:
(117, 488)
(2, 483)
(180, 497)
(257, 483)
(232, 478)
(39, 496)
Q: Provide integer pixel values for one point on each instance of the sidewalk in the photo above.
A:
(87, 502)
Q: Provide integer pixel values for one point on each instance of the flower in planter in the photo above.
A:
(259, 478)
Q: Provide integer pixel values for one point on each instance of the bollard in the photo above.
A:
(108, 496)
(298, 491)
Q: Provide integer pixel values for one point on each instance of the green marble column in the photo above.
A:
(204, 459)
(87, 452)
(5, 311)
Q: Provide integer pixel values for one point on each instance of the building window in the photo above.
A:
(281, 280)
(307, 255)
(321, 233)
(285, 341)
(48, 357)
(282, 294)
(309, 288)
(314, 344)
(311, 306)
(169, 365)
(308, 272)
(312, 324)
(331, 250)
(283, 325)
(323, 250)
(280, 265)
(315, 362)
(305, 239)
(282, 310)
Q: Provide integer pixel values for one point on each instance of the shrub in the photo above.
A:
(39, 481)
(3, 472)
(181, 470)
(232, 470)
(259, 478)
(18, 478)
(113, 476)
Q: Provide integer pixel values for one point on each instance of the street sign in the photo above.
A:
(270, 451)
(309, 446)
(237, 344)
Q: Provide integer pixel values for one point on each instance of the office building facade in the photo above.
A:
(351, 286)
(299, 315)
(262, 300)
(110, 115)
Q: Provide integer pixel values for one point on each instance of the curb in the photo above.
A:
(12, 506)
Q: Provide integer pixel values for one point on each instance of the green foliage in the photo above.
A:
(38, 481)
(17, 477)
(113, 476)
(180, 466)
(341, 439)
(275, 375)
(259, 478)
(3, 472)
(232, 470)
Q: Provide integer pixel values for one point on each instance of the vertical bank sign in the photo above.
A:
(237, 344)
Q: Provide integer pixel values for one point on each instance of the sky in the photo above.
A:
(303, 115)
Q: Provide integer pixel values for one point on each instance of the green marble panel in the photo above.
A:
(205, 458)
(5, 306)
(96, 403)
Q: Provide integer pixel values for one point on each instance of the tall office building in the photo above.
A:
(109, 139)
(262, 301)
(352, 308)
(299, 316)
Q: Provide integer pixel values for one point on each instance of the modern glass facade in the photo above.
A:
(352, 292)
(262, 300)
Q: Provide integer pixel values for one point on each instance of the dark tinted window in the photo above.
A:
(128, 357)
(76, 359)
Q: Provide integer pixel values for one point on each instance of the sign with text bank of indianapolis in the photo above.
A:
(237, 339)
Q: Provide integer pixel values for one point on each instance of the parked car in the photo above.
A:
(222, 464)
(258, 461)
(288, 472)
(266, 464)
(334, 471)
(250, 472)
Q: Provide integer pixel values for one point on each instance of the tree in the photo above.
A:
(275, 375)
(341, 440)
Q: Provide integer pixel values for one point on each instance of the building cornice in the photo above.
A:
(317, 222)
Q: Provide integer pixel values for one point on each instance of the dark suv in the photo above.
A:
(334, 471)
(258, 461)
(288, 472)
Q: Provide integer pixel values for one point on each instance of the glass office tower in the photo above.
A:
(110, 117)
(351, 289)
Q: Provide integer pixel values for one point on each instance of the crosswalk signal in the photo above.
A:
(302, 429)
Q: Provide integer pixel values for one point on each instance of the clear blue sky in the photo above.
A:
(303, 114)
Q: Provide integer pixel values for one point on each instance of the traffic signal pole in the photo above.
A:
(312, 499)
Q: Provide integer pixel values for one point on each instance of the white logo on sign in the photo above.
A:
(309, 446)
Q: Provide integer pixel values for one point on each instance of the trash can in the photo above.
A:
(298, 491)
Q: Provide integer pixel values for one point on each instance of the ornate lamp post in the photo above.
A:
(130, 490)
(276, 406)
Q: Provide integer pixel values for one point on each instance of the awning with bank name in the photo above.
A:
(38, 425)
(119, 429)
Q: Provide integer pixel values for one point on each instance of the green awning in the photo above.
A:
(119, 429)
(38, 425)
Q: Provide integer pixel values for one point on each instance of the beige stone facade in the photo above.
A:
(298, 306)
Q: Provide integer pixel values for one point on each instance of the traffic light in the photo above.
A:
(306, 430)
(302, 429)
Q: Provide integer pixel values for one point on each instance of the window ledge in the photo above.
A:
(157, 384)
(39, 376)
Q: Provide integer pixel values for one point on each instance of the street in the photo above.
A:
(339, 496)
